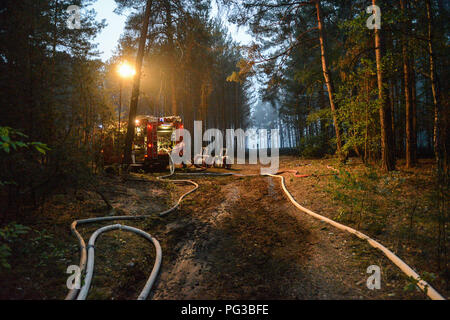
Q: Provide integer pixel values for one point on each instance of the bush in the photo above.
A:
(8, 234)
(19, 162)
(315, 147)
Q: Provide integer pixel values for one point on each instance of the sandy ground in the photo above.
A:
(249, 242)
(235, 238)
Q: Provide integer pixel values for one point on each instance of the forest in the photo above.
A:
(356, 89)
(324, 76)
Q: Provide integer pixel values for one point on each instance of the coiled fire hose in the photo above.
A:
(90, 265)
(422, 284)
(87, 258)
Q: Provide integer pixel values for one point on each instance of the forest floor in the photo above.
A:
(239, 237)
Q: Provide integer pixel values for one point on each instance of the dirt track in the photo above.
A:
(239, 238)
(235, 238)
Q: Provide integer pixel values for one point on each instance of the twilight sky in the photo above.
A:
(109, 37)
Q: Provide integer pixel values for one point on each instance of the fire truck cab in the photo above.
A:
(154, 138)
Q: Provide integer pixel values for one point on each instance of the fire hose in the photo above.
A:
(87, 257)
(90, 265)
(73, 293)
(422, 284)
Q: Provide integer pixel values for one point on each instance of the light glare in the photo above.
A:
(126, 71)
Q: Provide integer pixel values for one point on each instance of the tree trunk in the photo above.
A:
(410, 158)
(392, 98)
(387, 153)
(136, 84)
(414, 114)
(366, 136)
(171, 55)
(439, 142)
(173, 90)
(327, 76)
(236, 105)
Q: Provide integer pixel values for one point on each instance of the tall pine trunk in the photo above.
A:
(387, 152)
(173, 95)
(327, 76)
(410, 149)
(392, 99)
(414, 113)
(172, 62)
(439, 130)
(136, 84)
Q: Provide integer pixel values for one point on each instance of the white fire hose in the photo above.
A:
(73, 294)
(422, 284)
(88, 258)
(90, 265)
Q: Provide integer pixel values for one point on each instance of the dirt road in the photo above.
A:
(234, 238)
(239, 238)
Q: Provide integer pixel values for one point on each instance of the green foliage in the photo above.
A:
(10, 144)
(245, 70)
(46, 244)
(8, 136)
(8, 235)
(358, 110)
(412, 283)
(315, 147)
(290, 58)
(52, 94)
(354, 191)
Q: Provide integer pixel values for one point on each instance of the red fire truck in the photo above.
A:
(153, 139)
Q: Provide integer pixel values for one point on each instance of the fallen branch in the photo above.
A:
(108, 204)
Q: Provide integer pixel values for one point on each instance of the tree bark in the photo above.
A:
(136, 84)
(327, 76)
(171, 56)
(414, 114)
(410, 158)
(387, 152)
(173, 90)
(392, 98)
(439, 130)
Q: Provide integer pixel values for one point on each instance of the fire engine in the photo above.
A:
(153, 140)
